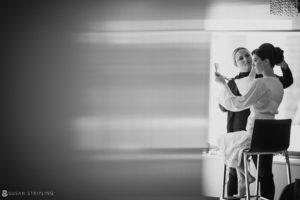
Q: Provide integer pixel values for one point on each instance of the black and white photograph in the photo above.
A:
(150, 100)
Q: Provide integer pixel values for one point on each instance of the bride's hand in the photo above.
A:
(252, 73)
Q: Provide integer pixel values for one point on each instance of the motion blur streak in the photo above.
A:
(127, 132)
(69, 91)
(149, 25)
(143, 90)
(142, 37)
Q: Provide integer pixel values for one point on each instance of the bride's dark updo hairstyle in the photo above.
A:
(267, 50)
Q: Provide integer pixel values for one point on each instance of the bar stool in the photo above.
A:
(270, 136)
(224, 187)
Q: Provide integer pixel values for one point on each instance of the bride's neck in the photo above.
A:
(269, 72)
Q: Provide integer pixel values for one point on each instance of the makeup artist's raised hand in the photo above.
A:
(220, 78)
(283, 65)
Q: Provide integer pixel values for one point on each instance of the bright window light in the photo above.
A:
(240, 25)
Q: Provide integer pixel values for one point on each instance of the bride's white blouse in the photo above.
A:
(263, 96)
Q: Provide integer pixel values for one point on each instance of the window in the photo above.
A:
(222, 46)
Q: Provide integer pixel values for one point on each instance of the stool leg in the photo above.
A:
(288, 168)
(257, 172)
(246, 176)
(224, 182)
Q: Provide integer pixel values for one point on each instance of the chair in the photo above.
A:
(270, 136)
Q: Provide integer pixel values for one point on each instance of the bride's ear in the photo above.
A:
(267, 61)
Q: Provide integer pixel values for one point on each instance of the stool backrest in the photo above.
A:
(271, 135)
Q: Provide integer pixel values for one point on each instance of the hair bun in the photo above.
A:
(278, 55)
(274, 54)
